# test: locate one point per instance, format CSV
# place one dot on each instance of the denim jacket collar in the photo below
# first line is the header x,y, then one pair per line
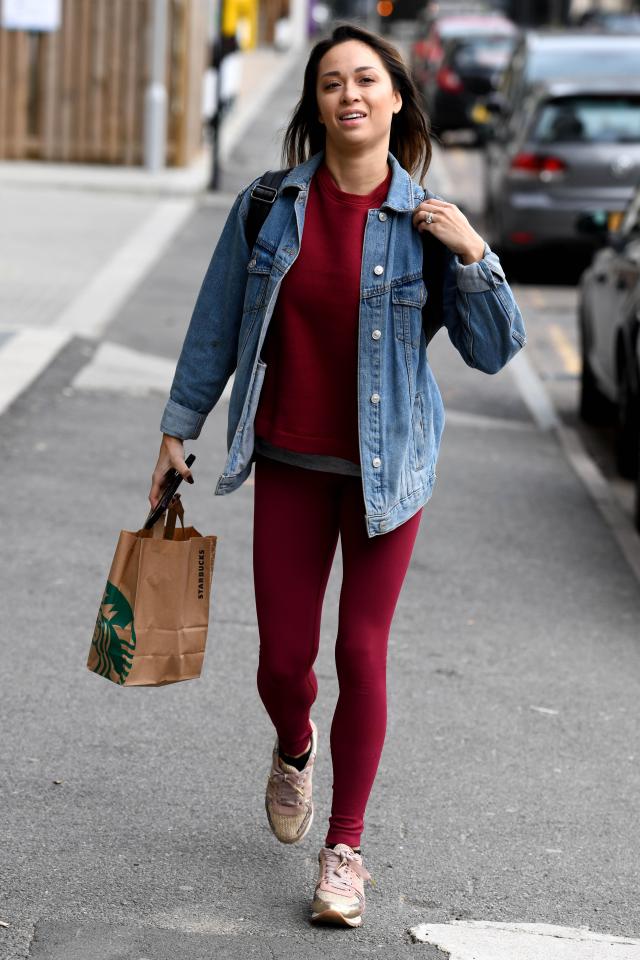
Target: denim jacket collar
x,y
404,194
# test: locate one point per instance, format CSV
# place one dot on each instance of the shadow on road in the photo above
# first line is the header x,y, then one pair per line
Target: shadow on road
x,y
554,266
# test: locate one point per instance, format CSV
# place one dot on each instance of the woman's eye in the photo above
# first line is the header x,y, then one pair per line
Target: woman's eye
x,y
368,78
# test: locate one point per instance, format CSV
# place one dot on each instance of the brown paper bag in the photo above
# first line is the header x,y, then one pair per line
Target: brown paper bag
x,y
154,615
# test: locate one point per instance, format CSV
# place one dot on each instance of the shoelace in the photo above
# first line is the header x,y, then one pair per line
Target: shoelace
x,y
289,787
338,873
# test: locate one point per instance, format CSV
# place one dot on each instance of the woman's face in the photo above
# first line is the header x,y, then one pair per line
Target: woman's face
x,y
356,98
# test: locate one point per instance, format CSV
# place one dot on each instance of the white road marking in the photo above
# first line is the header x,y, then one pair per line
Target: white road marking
x,y
90,312
484,940
23,357
533,392
117,369
464,418
601,492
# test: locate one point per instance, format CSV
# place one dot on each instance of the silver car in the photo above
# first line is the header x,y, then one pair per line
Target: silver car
x,y
573,146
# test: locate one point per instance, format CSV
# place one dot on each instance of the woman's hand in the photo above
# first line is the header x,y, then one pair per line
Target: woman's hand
x,y
171,455
450,225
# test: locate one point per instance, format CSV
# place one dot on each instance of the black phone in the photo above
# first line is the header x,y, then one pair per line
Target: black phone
x,y
171,482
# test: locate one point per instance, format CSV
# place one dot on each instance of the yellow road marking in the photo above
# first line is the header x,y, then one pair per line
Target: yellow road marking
x,y
537,298
565,349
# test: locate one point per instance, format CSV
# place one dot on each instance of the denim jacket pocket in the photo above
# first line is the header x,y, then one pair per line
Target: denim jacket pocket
x,y
407,298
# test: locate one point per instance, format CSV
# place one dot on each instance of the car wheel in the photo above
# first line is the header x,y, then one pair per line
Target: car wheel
x,y
593,406
637,509
627,428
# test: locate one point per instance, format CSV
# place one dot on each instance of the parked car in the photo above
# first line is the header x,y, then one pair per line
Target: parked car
x,y
572,146
427,51
614,21
561,53
609,331
637,504
470,69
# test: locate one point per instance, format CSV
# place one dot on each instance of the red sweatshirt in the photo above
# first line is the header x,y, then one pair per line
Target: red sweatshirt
x,y
309,398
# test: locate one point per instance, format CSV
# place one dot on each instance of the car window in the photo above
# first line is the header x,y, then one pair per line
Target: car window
x,y
589,119
487,52
576,62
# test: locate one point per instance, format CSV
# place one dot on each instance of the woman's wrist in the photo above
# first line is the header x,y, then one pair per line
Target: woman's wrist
x,y
473,252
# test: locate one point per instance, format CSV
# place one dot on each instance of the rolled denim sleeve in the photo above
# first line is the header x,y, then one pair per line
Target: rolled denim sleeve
x,y
480,312
209,352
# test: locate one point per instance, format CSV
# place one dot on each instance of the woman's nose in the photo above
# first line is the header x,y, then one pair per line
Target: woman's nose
x,y
348,94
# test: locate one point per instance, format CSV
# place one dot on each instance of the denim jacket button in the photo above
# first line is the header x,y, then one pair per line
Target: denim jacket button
x,y
378,270
375,398
376,461
376,334
382,216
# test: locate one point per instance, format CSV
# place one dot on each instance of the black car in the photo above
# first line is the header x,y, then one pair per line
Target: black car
x,y
471,69
609,333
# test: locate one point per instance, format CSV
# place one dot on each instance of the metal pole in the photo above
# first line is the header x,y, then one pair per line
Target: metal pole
x,y
155,97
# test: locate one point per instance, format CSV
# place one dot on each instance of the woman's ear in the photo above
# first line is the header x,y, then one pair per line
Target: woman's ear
x,y
397,101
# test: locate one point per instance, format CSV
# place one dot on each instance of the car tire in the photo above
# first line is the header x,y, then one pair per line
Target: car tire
x,y
593,406
636,517
627,428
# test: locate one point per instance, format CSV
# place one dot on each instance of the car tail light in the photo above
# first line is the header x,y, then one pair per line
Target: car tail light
x,y
421,49
521,236
448,80
542,165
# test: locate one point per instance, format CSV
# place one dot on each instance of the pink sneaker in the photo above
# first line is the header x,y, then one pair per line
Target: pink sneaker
x,y
288,800
339,893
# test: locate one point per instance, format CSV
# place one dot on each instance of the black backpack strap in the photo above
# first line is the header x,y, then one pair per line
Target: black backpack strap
x,y
263,196
433,265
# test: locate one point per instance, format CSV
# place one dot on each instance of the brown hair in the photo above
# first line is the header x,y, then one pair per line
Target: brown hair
x,y
409,141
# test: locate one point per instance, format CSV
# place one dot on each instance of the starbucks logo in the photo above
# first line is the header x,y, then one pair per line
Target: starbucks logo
x,y
115,652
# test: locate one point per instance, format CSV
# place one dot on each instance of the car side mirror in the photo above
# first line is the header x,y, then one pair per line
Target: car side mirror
x,y
615,240
495,103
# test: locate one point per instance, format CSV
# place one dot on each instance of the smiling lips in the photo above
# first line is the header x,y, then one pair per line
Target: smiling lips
x,y
353,117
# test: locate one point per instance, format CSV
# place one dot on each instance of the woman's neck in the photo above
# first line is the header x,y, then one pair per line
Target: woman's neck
x,y
359,174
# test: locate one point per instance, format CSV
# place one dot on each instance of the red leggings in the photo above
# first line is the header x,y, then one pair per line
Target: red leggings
x,y
298,514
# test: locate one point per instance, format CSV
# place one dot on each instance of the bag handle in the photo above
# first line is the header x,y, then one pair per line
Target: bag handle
x,y
162,530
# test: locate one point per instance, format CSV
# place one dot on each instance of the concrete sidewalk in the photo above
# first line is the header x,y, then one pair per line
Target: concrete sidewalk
x,y
76,240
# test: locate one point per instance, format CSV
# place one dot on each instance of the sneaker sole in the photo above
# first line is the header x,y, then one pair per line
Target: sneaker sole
x,y
295,839
333,916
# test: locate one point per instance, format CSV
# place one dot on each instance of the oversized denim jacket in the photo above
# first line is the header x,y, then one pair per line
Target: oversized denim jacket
x,y
400,409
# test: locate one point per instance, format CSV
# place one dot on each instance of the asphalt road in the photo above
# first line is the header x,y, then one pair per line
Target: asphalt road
x,y
132,820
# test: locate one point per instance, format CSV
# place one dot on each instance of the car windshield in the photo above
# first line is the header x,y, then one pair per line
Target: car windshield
x,y
589,119
460,29
618,61
492,52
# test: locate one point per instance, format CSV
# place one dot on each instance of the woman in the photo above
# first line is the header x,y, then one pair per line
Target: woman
x,y
334,401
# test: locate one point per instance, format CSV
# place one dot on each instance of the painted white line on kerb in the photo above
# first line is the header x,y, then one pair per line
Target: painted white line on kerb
x,y
539,403
23,358
483,940
90,312
533,392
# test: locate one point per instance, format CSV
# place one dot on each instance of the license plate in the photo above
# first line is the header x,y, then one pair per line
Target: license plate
x,y
614,219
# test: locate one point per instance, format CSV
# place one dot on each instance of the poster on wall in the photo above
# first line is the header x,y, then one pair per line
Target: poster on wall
x,y
30,15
